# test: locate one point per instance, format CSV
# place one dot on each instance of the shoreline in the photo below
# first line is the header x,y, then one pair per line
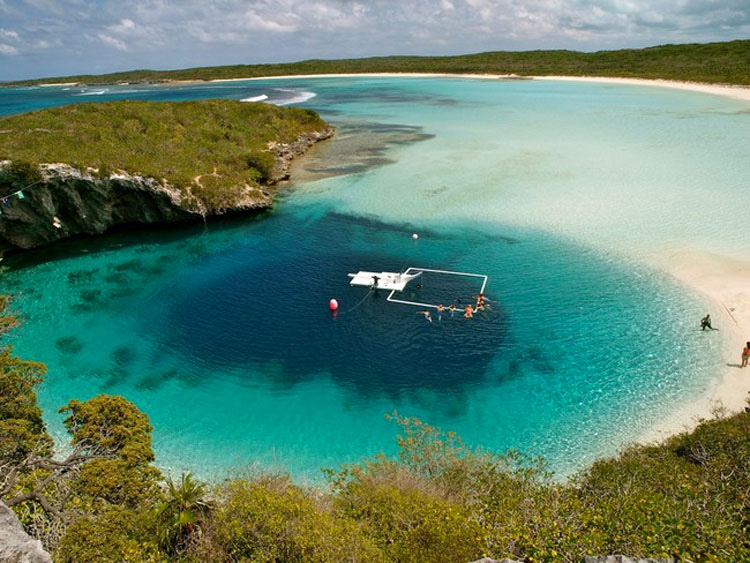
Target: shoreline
x,y
726,90
725,282
737,92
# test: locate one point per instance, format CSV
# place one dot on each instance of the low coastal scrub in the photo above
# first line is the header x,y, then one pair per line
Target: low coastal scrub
x,y
725,62
209,149
439,500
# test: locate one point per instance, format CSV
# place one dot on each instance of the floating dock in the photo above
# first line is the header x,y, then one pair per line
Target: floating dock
x,y
393,281
397,282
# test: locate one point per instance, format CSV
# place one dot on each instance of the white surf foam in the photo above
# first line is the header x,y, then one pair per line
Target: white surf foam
x,y
255,98
94,92
300,96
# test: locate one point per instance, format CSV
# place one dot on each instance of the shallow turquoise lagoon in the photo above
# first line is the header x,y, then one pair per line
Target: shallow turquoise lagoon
x,y
221,333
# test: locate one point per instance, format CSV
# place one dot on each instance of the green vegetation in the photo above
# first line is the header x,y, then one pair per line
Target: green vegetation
x,y
214,151
440,500
726,62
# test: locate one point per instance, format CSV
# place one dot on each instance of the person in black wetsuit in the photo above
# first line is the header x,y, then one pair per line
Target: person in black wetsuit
x,y
706,323
375,281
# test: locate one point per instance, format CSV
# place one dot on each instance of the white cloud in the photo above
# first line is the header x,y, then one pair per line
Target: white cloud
x,y
9,35
8,49
124,26
256,21
112,42
162,33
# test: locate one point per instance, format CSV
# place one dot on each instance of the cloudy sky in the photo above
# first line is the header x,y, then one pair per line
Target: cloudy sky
x,y
61,37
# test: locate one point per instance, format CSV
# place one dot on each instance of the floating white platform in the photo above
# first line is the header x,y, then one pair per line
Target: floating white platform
x,y
383,280
393,282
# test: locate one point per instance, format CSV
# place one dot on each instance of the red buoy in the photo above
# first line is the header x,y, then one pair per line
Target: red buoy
x,y
333,305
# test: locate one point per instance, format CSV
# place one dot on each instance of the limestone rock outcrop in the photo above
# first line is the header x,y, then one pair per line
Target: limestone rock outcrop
x,y
71,202
16,546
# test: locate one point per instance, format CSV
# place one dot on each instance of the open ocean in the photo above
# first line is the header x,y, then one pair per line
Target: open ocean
x,y
559,192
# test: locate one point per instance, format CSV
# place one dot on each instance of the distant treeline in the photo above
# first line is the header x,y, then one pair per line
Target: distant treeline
x,y
725,62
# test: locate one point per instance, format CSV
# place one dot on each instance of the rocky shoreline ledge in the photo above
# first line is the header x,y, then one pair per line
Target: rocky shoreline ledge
x,y
70,202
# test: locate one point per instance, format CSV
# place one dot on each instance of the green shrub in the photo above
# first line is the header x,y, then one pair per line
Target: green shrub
x,y
19,174
262,162
272,520
409,521
116,536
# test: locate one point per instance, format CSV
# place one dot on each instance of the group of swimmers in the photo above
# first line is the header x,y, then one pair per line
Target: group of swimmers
x,y
469,311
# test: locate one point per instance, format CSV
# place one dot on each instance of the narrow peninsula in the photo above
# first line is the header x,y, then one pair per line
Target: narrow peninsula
x,y
82,169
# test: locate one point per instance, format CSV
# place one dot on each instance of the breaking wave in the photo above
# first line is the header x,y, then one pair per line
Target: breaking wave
x,y
298,97
93,92
260,98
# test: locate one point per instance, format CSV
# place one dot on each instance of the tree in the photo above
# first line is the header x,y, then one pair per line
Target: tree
x,y
112,423
181,514
22,429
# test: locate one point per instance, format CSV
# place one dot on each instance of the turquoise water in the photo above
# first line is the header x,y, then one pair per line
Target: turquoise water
x,y
557,191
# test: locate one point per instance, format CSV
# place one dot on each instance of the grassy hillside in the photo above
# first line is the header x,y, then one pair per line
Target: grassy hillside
x,y
222,142
726,62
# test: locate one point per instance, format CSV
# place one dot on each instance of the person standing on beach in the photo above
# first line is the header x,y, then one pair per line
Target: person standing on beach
x,y
706,323
745,355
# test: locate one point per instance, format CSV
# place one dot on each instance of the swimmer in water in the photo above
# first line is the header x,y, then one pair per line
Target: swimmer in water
x,y
440,309
426,314
452,309
481,301
468,312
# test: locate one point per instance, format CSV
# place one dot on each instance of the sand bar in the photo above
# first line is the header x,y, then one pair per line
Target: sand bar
x,y
47,84
728,90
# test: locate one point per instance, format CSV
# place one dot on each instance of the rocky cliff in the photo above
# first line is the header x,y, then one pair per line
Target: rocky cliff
x,y
71,202
16,546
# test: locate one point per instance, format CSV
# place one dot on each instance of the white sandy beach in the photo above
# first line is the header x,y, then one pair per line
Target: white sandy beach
x,y
726,283
729,91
